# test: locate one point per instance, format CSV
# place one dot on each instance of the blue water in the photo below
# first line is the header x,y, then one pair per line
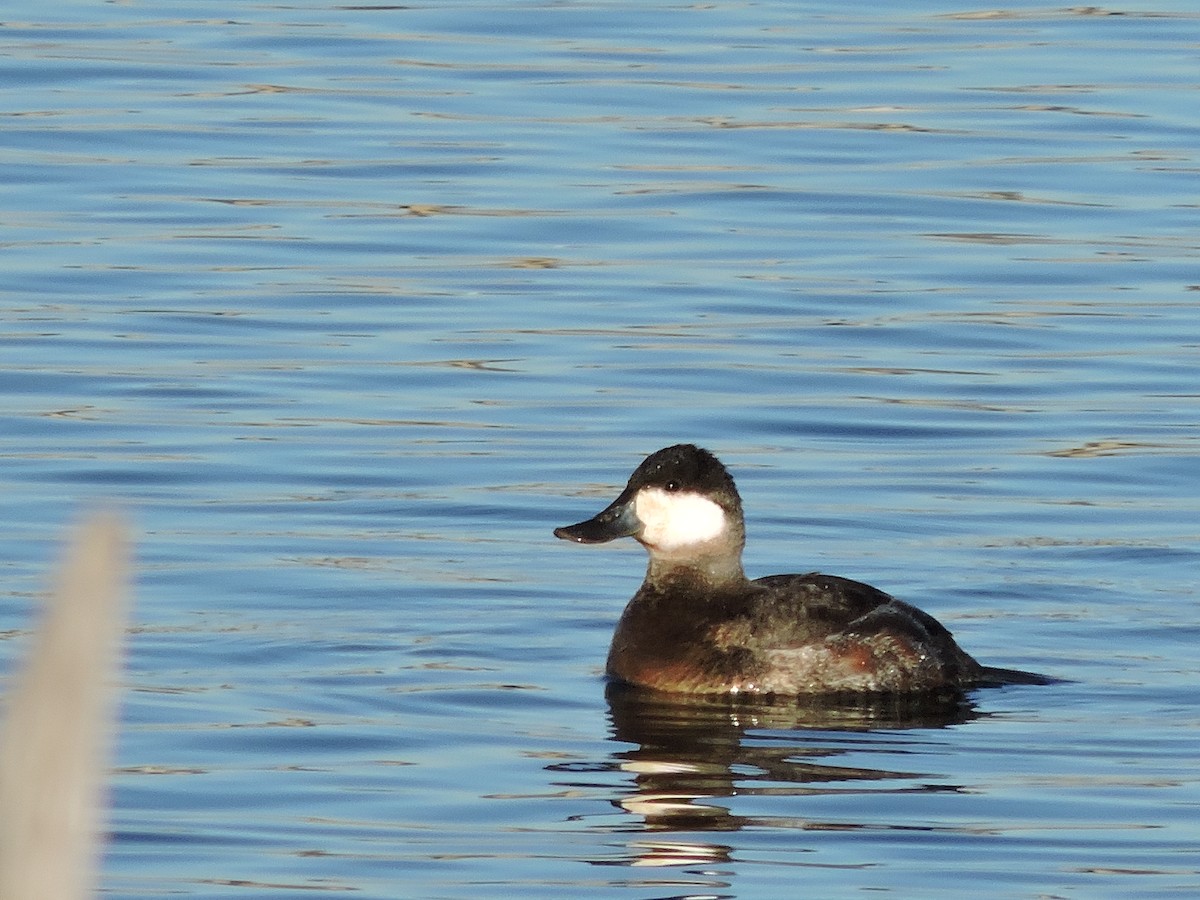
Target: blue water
x,y
348,306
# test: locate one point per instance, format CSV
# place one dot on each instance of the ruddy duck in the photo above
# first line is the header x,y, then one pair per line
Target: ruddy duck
x,y
698,625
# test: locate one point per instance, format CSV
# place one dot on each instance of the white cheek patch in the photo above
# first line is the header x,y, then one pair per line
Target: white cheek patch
x,y
673,521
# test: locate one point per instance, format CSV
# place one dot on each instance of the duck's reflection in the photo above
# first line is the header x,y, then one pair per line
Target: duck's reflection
x,y
690,757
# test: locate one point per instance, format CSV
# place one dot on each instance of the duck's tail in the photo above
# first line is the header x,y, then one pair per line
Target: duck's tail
x,y
990,676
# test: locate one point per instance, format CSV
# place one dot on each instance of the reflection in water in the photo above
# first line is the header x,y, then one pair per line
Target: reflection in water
x,y
688,753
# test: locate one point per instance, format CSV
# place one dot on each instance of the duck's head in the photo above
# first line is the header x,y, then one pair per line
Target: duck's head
x,y
681,505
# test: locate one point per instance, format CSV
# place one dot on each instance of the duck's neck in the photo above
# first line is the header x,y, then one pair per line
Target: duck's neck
x,y
712,573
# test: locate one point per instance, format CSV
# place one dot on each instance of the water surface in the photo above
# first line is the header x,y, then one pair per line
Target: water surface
x,y
350,305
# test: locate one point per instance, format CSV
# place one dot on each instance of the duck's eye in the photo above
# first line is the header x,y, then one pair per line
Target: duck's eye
x,y
671,487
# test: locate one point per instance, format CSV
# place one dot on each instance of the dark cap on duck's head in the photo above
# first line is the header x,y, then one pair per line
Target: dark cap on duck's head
x,y
686,467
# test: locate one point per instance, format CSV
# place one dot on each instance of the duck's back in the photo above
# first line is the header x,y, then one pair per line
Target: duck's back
x,y
820,633
817,599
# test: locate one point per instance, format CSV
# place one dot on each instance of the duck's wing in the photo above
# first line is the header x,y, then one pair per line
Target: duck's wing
x,y
824,602
847,635
847,605
854,608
